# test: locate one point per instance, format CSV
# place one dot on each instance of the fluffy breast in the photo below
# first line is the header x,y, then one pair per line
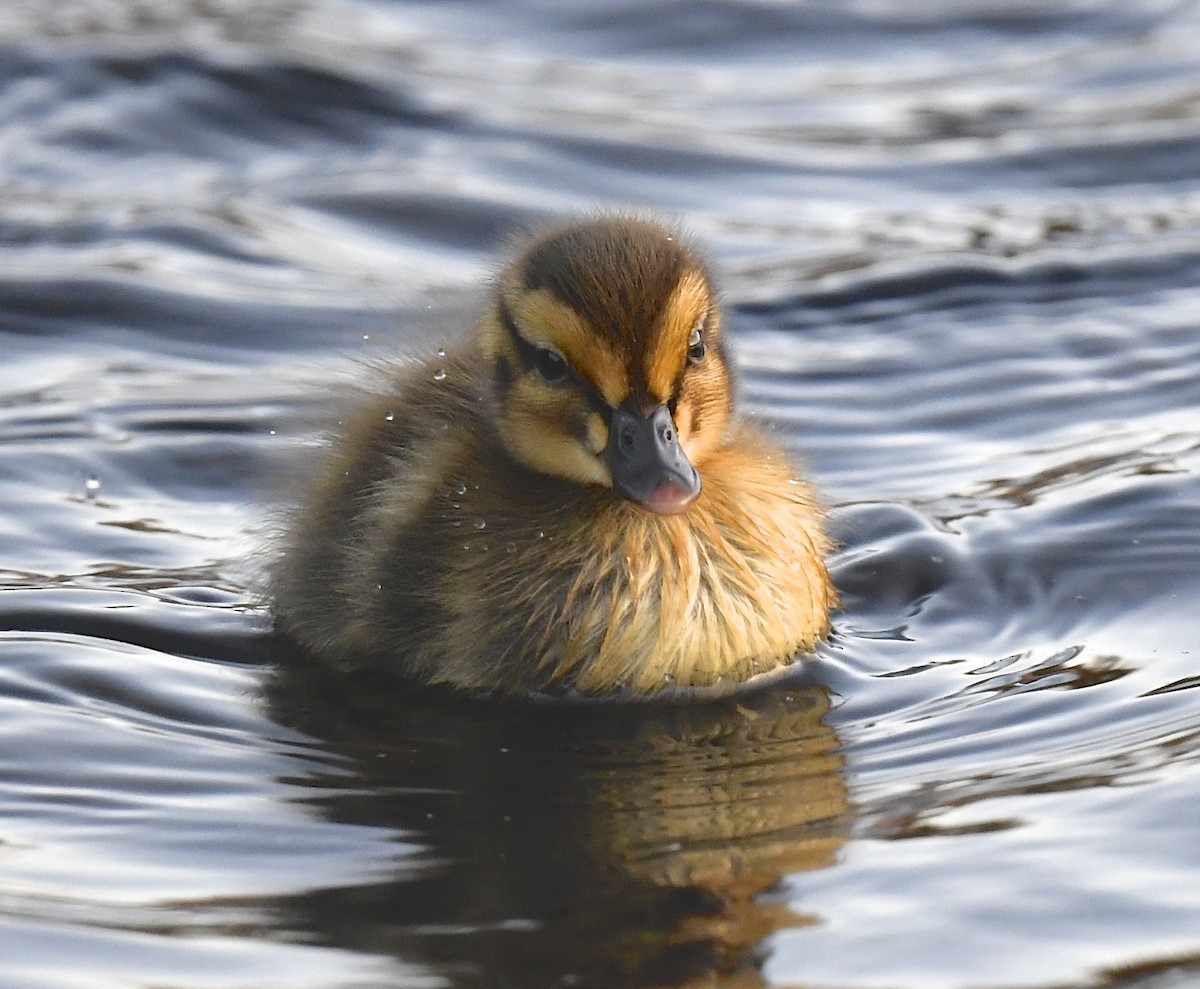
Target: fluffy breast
x,y
607,594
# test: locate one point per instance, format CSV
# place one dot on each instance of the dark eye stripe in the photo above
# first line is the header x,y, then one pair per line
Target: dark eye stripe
x,y
525,350
503,375
529,354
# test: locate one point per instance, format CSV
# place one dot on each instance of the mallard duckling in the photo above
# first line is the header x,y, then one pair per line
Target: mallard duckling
x,y
567,502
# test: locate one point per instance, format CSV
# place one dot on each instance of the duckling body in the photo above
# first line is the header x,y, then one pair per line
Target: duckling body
x,y
565,503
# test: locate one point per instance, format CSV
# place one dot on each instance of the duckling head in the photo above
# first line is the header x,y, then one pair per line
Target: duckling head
x,y
606,366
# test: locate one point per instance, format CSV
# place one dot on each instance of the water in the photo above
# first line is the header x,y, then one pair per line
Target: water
x,y
960,242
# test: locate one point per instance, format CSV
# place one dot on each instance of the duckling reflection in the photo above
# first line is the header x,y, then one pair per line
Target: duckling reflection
x,y
567,502
596,845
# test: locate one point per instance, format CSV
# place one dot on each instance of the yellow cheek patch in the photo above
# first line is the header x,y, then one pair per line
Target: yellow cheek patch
x,y
549,320
554,454
667,350
536,428
597,434
699,443
704,411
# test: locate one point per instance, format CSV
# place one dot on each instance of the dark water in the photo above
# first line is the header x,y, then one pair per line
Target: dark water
x,y
961,246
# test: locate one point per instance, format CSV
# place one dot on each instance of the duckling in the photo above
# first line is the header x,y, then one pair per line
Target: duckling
x,y
566,503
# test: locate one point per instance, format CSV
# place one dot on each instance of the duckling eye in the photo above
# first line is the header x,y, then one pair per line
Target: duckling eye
x,y
549,365
696,348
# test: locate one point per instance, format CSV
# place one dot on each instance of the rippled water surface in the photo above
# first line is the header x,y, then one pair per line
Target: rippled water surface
x,y
960,243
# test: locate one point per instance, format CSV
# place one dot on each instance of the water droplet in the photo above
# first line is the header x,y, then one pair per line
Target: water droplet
x,y
479,524
510,547
539,534
389,415
668,678
439,374
91,487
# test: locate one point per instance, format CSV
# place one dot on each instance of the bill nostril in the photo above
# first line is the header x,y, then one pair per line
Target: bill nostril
x,y
634,437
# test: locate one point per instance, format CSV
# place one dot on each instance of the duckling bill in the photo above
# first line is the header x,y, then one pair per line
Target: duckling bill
x,y
567,502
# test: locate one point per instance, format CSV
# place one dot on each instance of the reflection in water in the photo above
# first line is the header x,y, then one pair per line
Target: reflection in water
x,y
571,844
